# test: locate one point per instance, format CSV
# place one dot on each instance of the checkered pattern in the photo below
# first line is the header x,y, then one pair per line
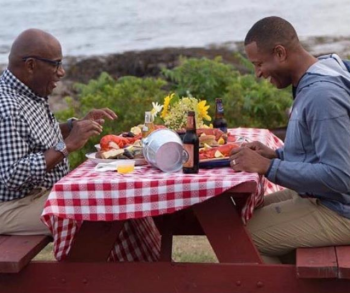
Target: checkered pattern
x,y
106,196
27,129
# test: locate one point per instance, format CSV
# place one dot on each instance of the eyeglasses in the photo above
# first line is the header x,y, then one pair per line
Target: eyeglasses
x,y
55,63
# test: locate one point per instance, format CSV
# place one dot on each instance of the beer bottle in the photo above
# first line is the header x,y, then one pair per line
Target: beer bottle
x,y
148,126
219,121
191,145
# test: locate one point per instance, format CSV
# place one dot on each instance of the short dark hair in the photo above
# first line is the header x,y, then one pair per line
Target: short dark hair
x,y
271,31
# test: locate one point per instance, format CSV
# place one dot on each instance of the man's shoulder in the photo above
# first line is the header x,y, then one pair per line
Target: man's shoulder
x,y
8,99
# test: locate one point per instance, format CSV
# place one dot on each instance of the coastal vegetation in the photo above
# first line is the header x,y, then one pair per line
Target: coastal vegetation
x,y
248,102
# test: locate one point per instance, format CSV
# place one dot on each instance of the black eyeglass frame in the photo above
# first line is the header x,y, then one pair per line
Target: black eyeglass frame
x,y
56,63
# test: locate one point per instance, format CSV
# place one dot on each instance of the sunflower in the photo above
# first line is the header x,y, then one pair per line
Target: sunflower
x,y
203,110
167,100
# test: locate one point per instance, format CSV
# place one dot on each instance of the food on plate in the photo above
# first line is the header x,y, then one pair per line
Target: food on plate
x,y
136,130
111,141
208,140
211,131
116,154
221,141
120,147
222,151
212,136
218,154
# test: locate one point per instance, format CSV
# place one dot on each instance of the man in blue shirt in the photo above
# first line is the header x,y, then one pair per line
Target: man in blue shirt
x,y
314,164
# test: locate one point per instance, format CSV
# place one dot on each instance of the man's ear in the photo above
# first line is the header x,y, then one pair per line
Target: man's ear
x,y
280,52
29,65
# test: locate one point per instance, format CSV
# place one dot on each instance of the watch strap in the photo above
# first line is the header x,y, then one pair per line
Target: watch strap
x,y
70,123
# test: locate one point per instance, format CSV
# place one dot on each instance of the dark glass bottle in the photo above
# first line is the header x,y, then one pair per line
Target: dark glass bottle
x,y
220,121
191,145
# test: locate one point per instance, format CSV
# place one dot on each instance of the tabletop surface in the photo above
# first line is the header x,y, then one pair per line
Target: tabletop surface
x,y
89,195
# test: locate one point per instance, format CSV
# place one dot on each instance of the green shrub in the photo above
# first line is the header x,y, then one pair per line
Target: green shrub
x,y
247,101
205,79
255,103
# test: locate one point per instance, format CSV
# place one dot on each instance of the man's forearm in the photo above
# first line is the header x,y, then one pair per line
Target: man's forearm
x,y
64,129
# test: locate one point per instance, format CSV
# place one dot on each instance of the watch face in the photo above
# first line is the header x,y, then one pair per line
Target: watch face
x,y
60,146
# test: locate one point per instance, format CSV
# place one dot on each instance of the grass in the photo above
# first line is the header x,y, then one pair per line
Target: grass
x,y
185,249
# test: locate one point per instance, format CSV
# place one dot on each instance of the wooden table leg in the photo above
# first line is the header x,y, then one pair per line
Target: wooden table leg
x,y
226,233
167,239
94,241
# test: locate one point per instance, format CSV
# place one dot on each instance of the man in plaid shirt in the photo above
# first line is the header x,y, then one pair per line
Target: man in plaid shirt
x,y
33,145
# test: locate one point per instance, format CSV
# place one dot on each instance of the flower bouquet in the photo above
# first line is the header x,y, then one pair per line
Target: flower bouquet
x,y
174,112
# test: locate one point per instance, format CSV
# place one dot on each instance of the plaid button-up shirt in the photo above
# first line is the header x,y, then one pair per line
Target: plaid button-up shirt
x,y
27,129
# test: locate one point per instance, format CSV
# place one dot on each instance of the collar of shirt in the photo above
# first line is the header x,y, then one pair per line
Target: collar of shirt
x,y
20,87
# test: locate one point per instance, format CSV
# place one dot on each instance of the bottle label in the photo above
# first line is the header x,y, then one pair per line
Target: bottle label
x,y
148,117
189,148
190,122
220,108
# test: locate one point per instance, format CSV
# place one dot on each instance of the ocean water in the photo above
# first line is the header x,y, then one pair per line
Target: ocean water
x,y
87,27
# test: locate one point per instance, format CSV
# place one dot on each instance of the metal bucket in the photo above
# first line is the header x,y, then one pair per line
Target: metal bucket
x,y
163,149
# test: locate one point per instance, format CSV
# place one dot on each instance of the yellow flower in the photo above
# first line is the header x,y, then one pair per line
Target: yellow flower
x,y
167,100
203,110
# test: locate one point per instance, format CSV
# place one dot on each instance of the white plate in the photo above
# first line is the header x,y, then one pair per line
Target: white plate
x,y
98,147
92,157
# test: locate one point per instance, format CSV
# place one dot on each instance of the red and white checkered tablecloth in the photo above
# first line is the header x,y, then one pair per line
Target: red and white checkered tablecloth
x,y
86,194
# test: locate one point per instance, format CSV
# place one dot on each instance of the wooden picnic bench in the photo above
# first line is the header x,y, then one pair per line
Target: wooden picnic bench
x,y
86,270
17,251
323,262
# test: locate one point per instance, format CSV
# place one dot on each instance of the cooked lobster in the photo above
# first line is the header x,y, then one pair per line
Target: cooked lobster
x,y
111,141
225,150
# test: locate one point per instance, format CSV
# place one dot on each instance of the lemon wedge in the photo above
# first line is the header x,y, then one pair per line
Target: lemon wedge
x,y
221,141
206,146
218,154
136,130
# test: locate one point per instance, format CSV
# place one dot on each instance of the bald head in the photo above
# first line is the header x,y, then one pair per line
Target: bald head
x,y
32,42
35,59
271,31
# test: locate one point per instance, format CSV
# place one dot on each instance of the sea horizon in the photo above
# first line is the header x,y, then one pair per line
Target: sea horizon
x,y
87,28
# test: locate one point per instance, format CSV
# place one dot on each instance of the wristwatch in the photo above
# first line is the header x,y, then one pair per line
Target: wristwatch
x,y
61,147
70,123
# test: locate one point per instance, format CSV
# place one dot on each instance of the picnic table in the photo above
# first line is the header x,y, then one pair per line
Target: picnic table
x,y
114,232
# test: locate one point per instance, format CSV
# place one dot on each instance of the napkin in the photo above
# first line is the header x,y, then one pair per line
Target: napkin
x,y
102,167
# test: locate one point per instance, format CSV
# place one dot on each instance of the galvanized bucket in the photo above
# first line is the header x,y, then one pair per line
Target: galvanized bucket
x,y
163,149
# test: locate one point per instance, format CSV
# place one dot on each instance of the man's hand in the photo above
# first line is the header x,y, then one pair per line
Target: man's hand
x,y
81,132
89,126
261,149
246,159
98,115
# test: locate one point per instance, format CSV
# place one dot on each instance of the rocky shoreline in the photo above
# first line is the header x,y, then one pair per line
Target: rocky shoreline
x,y
149,62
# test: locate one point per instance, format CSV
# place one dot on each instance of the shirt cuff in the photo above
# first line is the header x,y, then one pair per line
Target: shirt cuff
x,y
271,173
268,170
